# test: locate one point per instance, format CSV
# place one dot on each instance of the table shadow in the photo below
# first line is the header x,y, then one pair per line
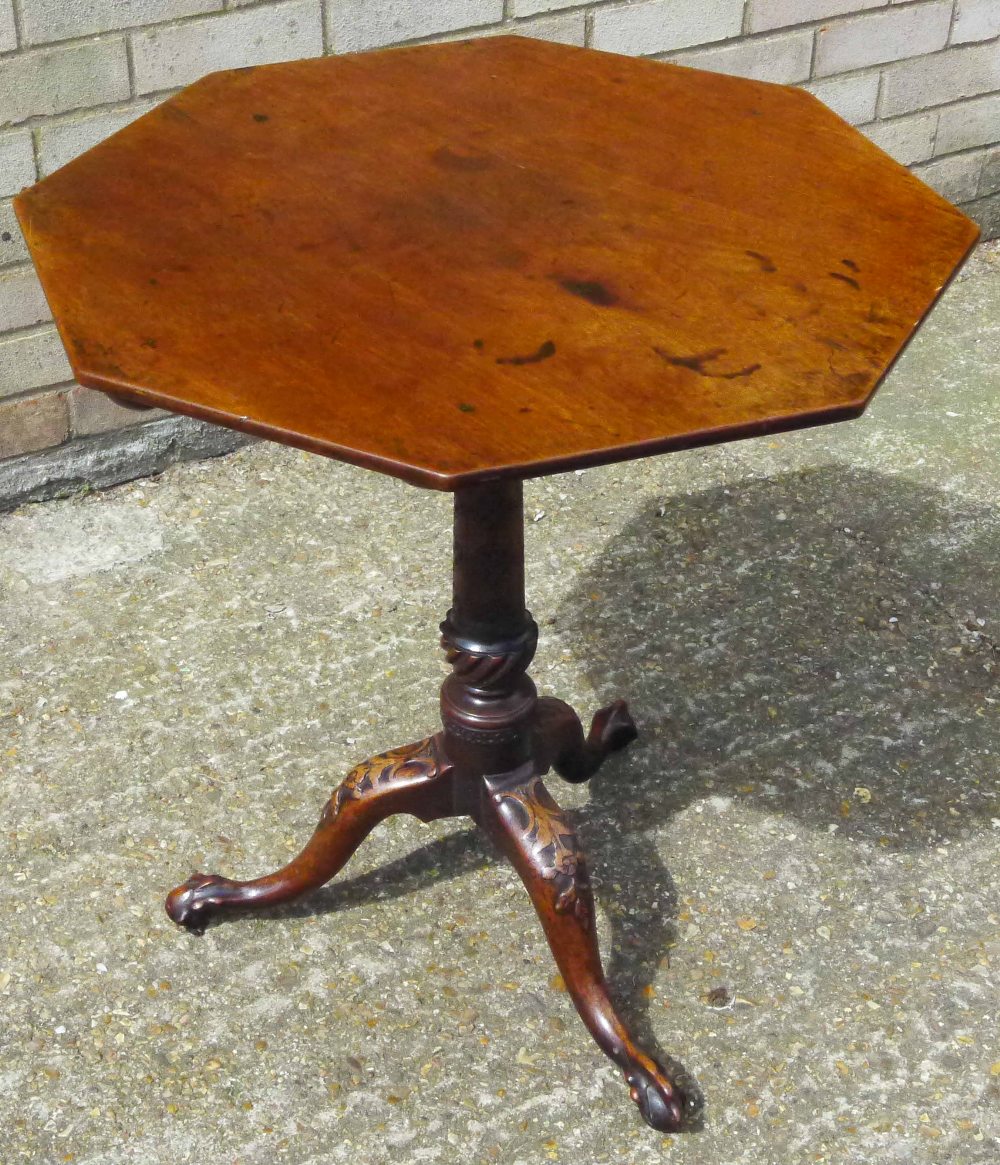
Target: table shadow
x,y
807,644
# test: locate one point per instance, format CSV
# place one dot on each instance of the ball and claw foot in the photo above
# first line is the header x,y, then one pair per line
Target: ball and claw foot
x,y
613,727
560,743
657,1100
193,904
414,779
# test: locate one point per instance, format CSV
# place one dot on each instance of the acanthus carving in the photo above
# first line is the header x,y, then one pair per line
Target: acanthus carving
x,y
411,760
554,846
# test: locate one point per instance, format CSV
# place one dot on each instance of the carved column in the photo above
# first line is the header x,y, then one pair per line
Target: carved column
x,y
488,702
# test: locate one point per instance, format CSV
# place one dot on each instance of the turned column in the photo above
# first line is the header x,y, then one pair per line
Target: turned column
x,y
488,702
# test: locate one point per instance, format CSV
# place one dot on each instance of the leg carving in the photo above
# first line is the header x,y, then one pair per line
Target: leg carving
x,y
560,743
413,779
536,836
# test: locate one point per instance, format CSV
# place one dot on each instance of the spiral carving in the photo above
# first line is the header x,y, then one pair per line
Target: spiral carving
x,y
489,667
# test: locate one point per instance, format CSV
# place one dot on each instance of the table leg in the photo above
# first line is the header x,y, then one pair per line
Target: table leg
x,y
561,745
537,837
498,738
414,779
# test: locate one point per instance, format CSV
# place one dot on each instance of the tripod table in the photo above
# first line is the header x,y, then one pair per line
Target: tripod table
x,y
465,265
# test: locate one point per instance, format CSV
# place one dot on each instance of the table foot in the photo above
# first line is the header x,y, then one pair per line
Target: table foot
x,y
414,779
538,839
561,745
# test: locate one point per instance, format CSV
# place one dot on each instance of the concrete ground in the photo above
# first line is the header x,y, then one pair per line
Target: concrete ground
x,y
797,865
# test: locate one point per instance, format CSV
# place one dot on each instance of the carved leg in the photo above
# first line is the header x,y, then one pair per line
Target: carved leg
x,y
560,744
414,779
538,839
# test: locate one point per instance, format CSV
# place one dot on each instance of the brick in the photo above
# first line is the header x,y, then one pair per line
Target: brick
x,y
32,360
8,29
976,20
47,20
17,162
966,71
568,29
61,141
907,139
969,124
22,301
986,212
782,59
165,58
989,183
658,26
95,412
29,425
882,36
852,98
12,245
367,24
530,7
764,15
955,178
46,81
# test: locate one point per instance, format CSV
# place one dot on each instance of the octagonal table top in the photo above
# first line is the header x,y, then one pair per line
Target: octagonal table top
x,y
502,257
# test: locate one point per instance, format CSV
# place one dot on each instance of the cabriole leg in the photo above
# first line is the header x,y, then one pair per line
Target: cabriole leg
x,y
414,779
537,837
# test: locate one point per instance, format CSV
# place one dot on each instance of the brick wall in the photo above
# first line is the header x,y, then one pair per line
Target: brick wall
x,y
920,78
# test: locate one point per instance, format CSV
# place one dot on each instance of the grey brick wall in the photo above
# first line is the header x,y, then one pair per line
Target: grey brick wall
x,y
920,77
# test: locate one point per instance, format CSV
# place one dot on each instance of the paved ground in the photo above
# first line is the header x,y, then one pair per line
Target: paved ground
x,y
797,865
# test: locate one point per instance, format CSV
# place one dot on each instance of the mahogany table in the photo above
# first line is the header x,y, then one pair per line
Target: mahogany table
x,y
465,265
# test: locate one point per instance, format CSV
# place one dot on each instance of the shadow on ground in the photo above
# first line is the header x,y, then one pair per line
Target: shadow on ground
x,y
810,644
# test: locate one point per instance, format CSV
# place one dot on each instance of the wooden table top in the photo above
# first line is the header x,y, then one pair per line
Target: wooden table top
x,y
495,258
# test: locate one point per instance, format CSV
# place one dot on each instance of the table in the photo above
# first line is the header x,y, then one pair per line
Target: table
x,y
465,265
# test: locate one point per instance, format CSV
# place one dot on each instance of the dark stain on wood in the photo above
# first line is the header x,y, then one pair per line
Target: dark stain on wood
x,y
261,117
545,352
697,363
765,261
592,290
850,264
845,279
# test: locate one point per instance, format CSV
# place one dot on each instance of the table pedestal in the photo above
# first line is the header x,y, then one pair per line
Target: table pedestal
x,y
487,763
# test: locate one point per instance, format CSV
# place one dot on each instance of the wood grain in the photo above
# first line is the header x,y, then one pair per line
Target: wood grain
x,y
495,258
